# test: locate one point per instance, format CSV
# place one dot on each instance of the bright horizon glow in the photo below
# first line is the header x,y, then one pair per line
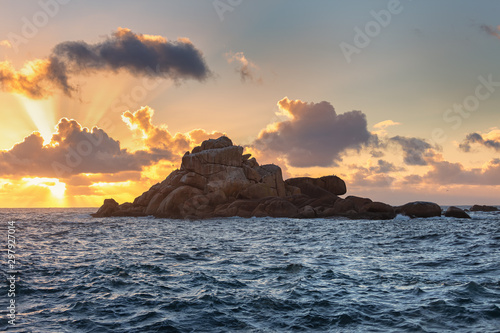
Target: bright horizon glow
x,y
56,187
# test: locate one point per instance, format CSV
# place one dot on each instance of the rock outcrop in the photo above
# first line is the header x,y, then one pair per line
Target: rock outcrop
x,y
420,209
216,179
483,208
453,211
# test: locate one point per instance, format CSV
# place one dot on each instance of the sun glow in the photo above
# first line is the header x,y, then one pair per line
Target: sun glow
x,y
57,188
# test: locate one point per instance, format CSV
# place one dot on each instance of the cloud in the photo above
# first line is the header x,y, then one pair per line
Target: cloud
x,y
314,134
378,175
381,127
158,137
138,54
447,173
491,30
72,150
489,140
414,149
5,43
37,79
245,68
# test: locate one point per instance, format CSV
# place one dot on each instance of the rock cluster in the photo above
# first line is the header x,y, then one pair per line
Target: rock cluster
x,y
483,208
217,180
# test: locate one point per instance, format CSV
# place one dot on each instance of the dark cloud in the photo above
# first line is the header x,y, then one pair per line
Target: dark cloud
x,y
74,150
314,134
489,141
385,167
492,31
414,149
139,54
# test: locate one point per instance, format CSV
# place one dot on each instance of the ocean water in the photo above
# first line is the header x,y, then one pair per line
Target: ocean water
x,y
80,274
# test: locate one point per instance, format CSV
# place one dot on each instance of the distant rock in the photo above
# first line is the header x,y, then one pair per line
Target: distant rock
x,y
420,209
483,208
453,211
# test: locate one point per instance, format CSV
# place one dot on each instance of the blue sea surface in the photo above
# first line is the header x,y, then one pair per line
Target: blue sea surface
x,y
80,274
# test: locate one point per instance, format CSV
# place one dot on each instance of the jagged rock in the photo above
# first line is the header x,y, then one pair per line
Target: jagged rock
x,y
420,209
107,209
453,211
483,208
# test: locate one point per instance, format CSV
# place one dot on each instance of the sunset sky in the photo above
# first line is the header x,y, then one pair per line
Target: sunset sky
x,y
100,99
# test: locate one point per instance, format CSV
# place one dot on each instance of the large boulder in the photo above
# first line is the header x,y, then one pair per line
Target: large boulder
x,y
173,205
453,211
420,209
231,180
208,161
377,211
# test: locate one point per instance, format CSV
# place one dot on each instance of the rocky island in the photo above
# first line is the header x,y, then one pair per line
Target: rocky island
x,y
217,180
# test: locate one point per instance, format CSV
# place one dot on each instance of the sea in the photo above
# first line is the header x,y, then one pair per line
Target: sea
x,y
74,273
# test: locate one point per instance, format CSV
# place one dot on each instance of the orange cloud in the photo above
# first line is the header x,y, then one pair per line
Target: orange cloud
x,y
158,137
36,79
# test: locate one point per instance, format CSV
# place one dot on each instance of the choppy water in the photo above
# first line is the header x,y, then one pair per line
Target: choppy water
x,y
80,274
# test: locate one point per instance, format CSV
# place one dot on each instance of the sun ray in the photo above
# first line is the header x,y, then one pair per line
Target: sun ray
x,y
42,115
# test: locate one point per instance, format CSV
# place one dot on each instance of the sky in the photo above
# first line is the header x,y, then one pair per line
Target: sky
x,y
401,99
